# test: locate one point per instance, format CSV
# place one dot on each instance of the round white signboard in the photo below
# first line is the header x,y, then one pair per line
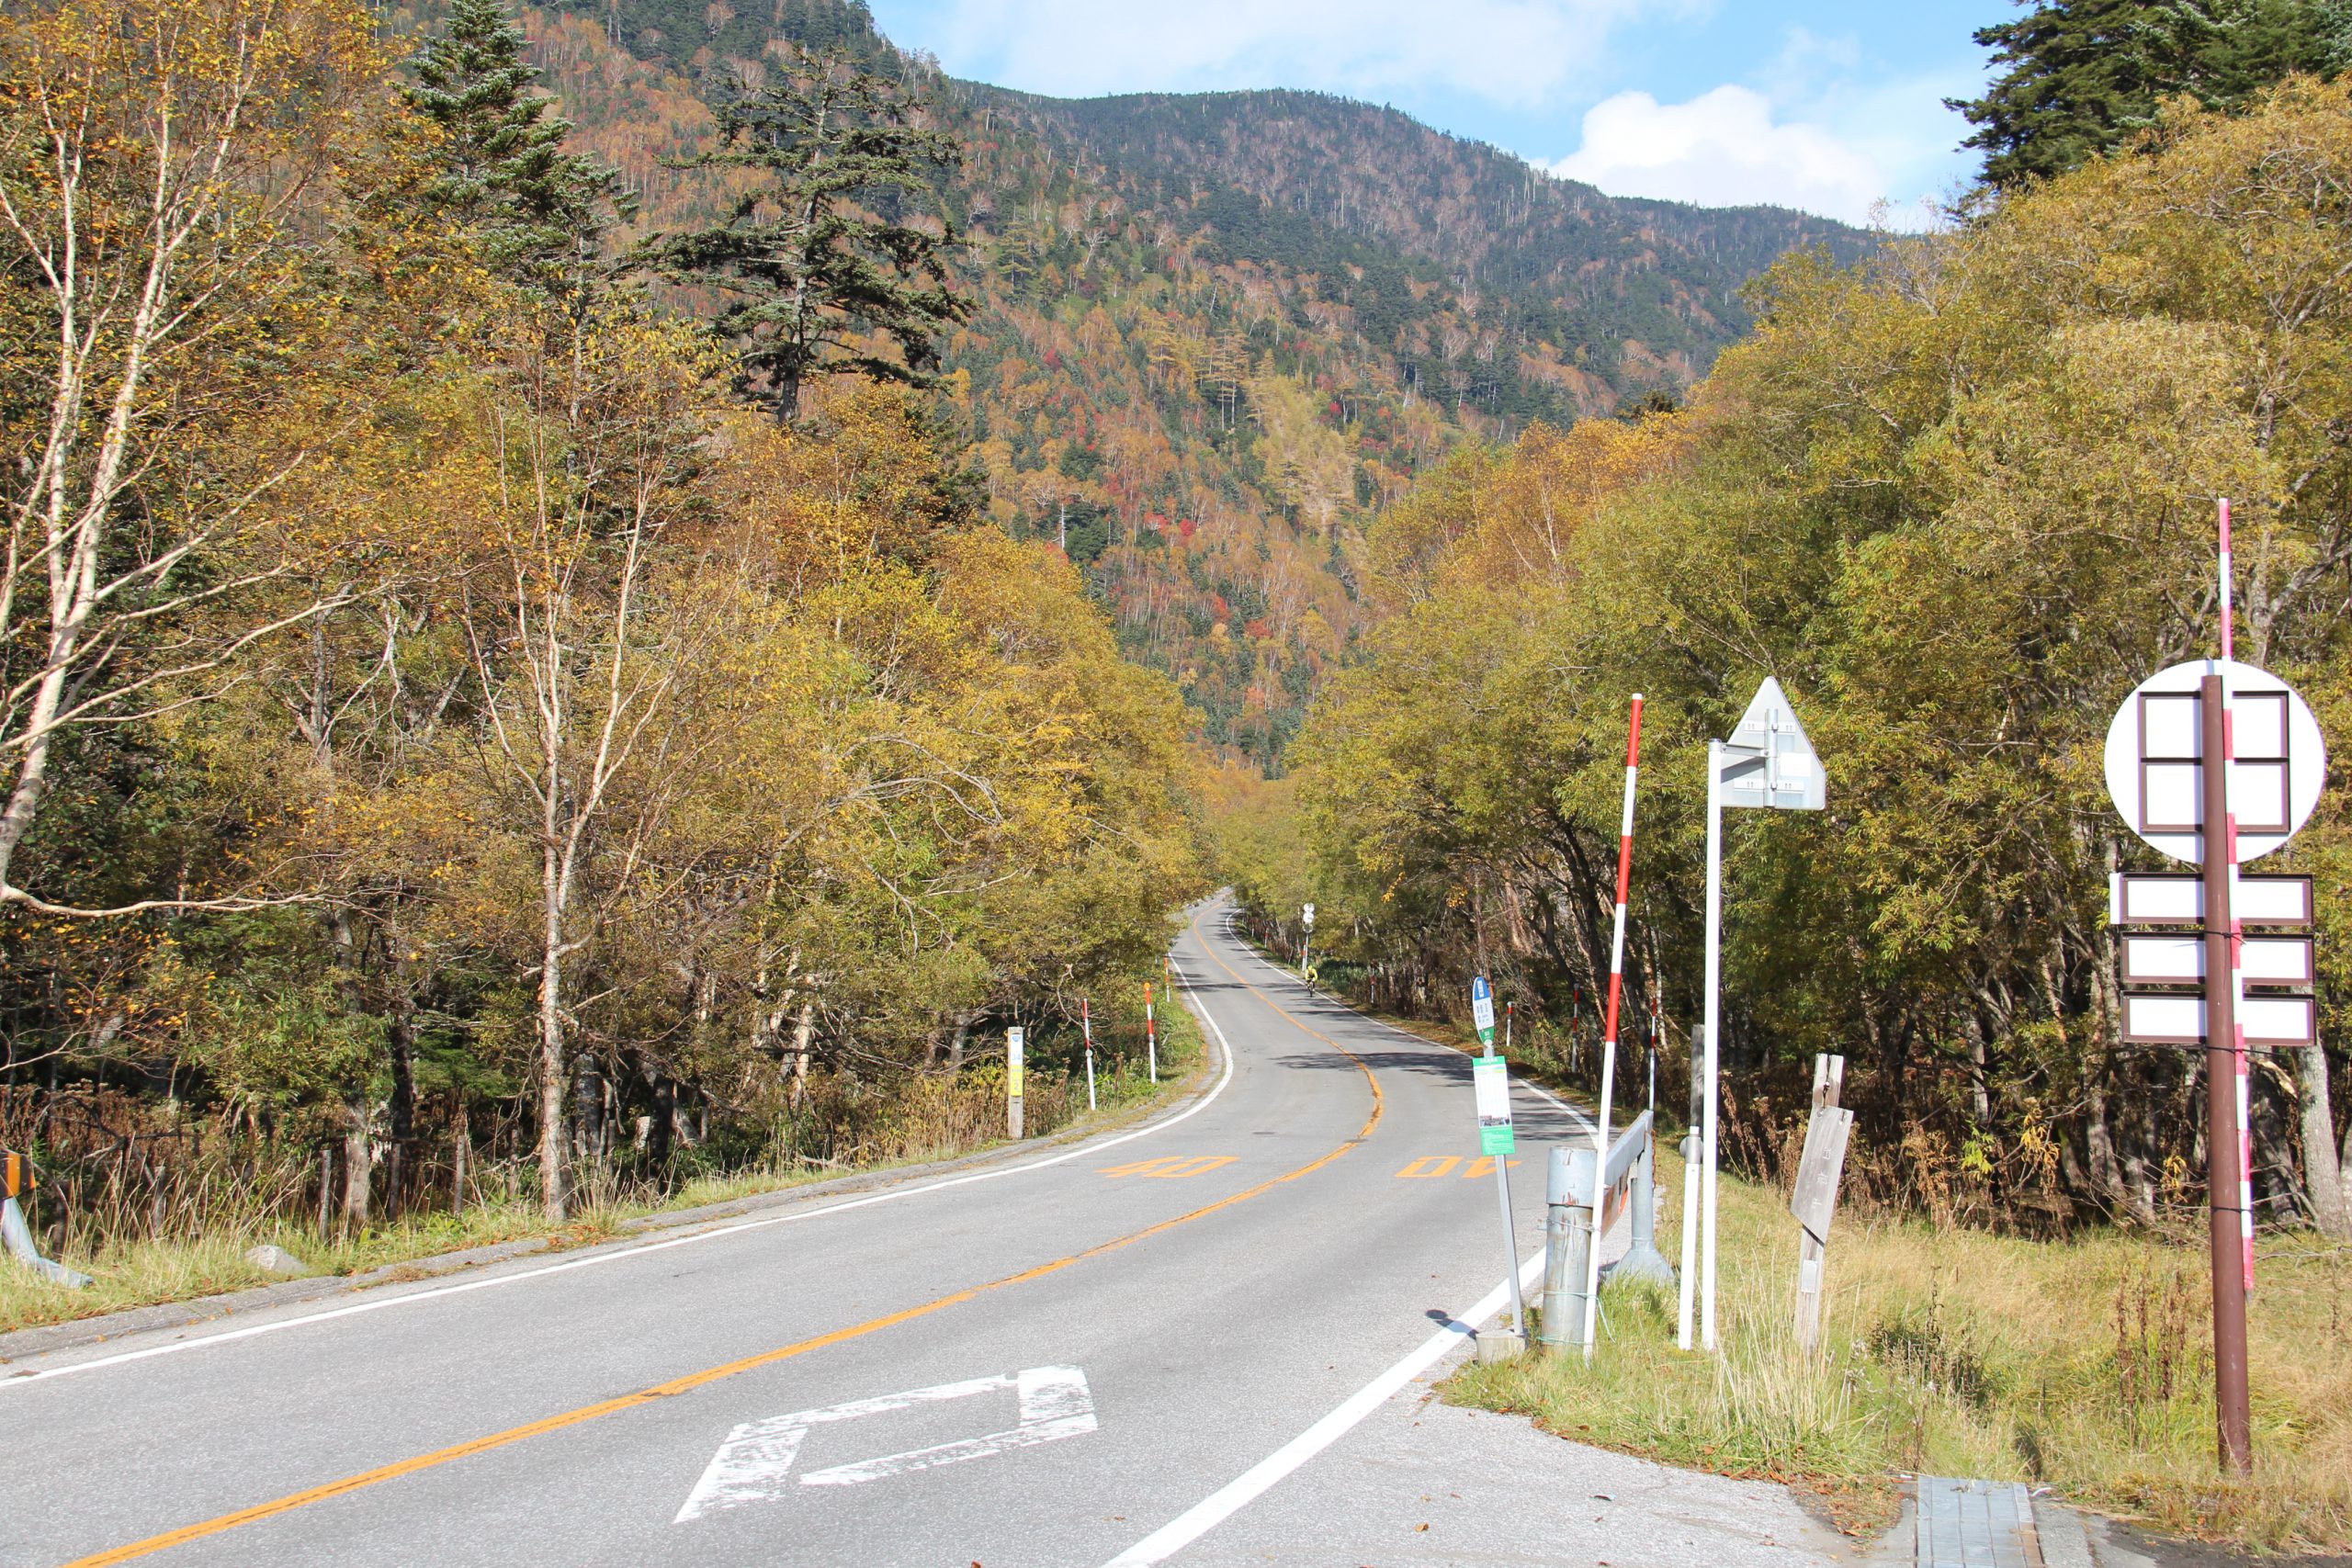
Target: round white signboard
x,y
2154,753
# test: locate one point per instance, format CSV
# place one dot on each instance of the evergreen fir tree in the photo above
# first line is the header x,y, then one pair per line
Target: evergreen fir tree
x,y
541,212
2081,77
823,255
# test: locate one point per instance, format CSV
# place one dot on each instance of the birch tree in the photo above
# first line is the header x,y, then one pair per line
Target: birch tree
x,y
153,158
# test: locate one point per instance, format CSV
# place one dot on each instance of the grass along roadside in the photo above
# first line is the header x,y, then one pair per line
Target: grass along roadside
x,y
2085,1365
150,1271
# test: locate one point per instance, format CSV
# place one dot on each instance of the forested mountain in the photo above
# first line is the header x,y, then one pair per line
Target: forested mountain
x,y
1217,331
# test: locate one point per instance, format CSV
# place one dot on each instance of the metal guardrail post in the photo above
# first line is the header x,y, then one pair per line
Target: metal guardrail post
x,y
1643,1260
18,1238
1567,1241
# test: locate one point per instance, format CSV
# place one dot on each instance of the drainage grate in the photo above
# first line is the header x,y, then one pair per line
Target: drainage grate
x,y
1976,1524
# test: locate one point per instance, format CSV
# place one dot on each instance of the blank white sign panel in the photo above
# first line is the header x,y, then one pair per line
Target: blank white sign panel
x,y
2181,960
2139,898
2180,1021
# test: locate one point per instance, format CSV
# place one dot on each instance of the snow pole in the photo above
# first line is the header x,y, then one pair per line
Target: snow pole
x,y
2237,931
1609,1034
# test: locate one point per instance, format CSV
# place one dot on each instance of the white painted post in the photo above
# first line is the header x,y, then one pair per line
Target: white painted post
x,y
1712,1065
1086,1023
1150,1035
1015,1040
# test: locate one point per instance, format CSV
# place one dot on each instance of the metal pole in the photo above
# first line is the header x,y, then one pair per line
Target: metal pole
x,y
1608,1028
1510,1245
1567,1237
1687,1286
2223,1049
1151,1034
1086,1024
1707,1144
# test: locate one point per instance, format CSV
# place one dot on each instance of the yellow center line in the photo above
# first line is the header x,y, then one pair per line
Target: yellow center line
x,y
693,1381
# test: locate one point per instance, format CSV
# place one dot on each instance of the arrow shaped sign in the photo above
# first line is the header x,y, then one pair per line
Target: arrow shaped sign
x,y
1768,760
754,1464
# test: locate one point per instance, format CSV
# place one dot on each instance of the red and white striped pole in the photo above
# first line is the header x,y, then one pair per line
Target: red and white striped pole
x,y
2237,931
1150,1035
1609,1034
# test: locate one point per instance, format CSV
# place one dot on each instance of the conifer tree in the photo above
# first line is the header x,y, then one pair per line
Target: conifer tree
x,y
825,253
541,212
2081,77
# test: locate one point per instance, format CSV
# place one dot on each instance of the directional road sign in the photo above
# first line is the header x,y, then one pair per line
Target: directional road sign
x,y
1768,760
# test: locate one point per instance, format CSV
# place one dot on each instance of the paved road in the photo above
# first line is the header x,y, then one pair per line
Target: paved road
x,y
1115,1350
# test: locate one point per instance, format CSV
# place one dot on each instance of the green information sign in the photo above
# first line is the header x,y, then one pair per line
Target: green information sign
x,y
1491,1080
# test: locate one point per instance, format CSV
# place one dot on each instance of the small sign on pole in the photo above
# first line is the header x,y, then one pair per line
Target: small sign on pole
x,y
1482,1011
1767,763
1014,1040
1490,1084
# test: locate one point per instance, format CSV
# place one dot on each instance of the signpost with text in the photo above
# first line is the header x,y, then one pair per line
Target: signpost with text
x,y
1490,1083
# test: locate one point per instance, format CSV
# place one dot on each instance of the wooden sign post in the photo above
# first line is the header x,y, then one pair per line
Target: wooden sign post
x,y
1815,1203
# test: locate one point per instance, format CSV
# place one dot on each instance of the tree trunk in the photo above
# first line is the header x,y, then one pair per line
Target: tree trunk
x,y
401,1116
804,1029
461,1145
662,1137
358,1164
2327,1171
587,1119
555,1193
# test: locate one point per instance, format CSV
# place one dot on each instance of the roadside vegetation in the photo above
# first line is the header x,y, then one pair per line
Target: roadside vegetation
x,y
2082,1364
135,1264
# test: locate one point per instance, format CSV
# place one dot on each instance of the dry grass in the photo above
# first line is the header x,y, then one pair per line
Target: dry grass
x,y
934,1119
2085,1365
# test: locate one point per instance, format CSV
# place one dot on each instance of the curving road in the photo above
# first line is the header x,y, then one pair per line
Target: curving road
x,y
1132,1350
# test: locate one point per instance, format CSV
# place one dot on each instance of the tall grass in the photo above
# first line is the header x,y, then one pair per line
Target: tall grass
x,y
2081,1364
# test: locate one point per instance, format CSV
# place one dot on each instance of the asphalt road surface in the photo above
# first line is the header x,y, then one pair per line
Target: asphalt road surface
x,y
1121,1352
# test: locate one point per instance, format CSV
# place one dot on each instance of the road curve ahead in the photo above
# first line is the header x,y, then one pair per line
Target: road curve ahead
x,y
1098,1355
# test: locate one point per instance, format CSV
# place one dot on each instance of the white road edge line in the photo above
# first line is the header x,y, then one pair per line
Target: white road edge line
x,y
1251,1485
25,1379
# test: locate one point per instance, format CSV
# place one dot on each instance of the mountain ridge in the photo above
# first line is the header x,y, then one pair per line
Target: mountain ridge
x,y
1215,332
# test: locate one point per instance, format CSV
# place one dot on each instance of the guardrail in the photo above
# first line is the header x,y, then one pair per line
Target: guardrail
x,y
17,1177
1629,1185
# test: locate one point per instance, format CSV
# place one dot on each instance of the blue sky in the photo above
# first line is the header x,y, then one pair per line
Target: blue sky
x,y
1833,106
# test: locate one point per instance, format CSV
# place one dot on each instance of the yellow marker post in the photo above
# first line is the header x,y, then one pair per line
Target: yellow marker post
x,y
1015,1040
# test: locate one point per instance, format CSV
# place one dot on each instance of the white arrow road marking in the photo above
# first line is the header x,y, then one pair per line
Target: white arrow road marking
x,y
753,1465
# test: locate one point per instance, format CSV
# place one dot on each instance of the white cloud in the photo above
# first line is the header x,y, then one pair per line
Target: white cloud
x,y
1722,149
1517,54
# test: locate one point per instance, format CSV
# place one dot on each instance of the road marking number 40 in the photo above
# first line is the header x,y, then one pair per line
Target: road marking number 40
x,y
755,1462
1429,1168
1169,1166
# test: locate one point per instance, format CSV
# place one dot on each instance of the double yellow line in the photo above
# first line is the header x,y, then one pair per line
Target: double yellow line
x,y
692,1380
